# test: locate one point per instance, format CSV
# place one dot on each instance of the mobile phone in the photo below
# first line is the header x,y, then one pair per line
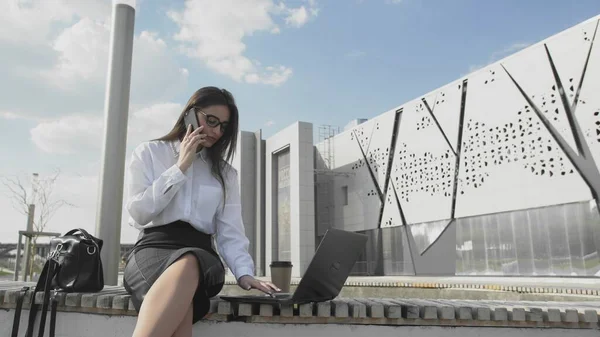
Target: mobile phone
x,y
190,118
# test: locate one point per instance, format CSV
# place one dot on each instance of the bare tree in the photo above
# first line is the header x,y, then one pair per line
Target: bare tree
x,y
42,196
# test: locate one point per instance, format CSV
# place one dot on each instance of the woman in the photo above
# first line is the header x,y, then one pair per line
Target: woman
x,y
182,192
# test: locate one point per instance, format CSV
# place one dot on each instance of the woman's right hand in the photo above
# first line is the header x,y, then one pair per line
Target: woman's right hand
x,y
189,146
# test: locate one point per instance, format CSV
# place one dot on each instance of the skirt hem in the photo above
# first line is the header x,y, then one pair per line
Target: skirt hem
x,y
145,265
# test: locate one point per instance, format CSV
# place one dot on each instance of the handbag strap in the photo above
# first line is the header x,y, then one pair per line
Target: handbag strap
x,y
18,309
44,283
82,231
33,307
51,272
96,241
53,315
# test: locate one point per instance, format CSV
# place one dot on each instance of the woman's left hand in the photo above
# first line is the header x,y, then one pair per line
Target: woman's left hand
x,y
248,282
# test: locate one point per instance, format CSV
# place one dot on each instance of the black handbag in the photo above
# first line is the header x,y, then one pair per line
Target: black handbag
x,y
73,265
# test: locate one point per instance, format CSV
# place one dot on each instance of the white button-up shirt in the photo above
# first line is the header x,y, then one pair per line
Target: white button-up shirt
x,y
160,193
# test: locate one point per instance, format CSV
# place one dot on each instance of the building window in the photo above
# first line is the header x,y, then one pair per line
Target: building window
x,y
345,195
283,206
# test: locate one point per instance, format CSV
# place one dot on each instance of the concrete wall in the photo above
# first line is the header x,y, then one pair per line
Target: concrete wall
x,y
467,177
298,138
75,324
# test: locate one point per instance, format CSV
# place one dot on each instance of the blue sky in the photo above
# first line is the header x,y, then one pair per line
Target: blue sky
x,y
333,61
360,58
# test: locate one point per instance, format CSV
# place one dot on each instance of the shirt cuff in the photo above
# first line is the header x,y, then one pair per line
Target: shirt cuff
x,y
175,174
243,271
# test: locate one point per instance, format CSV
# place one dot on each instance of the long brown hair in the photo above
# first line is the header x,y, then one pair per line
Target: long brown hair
x,y
223,150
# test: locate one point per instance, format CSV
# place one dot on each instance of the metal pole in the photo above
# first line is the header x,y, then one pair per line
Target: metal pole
x,y
18,262
29,228
28,239
116,110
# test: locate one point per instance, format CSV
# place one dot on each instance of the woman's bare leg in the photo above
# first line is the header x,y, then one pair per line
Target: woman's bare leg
x,y
168,300
185,327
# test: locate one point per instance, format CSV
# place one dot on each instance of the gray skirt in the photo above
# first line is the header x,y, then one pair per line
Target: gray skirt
x,y
158,248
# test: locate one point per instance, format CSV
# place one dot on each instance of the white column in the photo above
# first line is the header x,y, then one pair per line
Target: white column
x,y
116,110
259,223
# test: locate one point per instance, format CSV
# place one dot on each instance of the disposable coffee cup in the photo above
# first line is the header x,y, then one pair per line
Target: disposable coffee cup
x,y
281,275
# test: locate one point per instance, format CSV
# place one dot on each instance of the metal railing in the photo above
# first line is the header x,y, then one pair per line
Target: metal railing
x,y
30,235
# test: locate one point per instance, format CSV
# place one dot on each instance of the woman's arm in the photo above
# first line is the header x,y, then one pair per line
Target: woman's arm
x,y
231,238
148,197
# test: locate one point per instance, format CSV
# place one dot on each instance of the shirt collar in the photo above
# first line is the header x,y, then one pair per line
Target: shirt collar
x,y
175,148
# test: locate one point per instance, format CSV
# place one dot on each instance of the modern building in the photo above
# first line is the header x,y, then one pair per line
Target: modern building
x,y
495,173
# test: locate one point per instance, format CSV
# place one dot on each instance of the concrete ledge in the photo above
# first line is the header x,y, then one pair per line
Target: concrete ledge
x,y
456,287
521,285
113,300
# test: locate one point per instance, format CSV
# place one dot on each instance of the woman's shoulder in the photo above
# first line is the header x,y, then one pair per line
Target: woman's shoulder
x,y
229,171
152,147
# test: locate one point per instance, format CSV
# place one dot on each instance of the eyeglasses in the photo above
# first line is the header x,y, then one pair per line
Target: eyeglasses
x,y
214,121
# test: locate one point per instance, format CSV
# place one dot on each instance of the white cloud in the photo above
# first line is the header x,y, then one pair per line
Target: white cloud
x,y
83,55
156,75
74,36
513,48
31,21
213,32
393,2
355,54
67,135
270,123
9,115
83,133
499,54
83,59
297,17
152,122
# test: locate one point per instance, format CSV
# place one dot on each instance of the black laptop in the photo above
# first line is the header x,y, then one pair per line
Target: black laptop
x,y
326,274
